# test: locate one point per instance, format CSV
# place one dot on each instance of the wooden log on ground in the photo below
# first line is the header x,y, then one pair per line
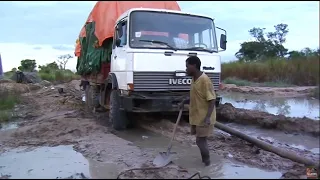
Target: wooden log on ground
x,y
266,146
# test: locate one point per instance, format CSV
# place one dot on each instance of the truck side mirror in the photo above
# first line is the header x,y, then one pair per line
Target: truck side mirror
x,y
223,41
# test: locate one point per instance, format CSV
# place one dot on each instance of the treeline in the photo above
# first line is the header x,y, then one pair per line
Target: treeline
x,y
267,60
55,71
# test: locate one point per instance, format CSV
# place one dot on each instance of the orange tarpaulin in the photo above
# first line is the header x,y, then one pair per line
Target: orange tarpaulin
x,y
106,13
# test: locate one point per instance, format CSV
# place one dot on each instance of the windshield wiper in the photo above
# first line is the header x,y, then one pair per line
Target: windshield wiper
x,y
159,42
199,48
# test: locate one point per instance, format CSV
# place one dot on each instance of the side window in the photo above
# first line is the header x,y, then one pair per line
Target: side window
x,y
122,35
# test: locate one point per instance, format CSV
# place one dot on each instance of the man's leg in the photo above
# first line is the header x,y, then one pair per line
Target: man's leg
x,y
204,150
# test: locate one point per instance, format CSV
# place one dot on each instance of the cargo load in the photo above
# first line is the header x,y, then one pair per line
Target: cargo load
x,y
94,45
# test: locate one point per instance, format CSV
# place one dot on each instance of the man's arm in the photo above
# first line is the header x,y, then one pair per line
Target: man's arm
x,y
210,97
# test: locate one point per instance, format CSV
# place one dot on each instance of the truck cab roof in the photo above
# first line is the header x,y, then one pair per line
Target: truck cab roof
x,y
125,14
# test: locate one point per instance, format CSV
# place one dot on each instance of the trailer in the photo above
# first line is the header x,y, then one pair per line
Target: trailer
x,y
131,56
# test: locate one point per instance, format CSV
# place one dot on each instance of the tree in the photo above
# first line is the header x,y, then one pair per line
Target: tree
x,y
63,60
49,67
27,65
263,48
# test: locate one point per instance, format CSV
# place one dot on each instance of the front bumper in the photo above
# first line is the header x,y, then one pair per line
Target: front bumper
x,y
155,103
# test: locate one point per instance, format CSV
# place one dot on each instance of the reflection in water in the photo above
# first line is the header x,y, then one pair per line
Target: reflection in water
x,y
293,107
44,162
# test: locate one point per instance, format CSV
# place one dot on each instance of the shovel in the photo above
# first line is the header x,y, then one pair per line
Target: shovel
x,y
164,158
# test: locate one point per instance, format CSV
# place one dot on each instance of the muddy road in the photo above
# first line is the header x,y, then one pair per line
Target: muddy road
x,y
63,140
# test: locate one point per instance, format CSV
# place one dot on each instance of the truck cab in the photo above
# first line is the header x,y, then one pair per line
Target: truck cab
x,y
148,61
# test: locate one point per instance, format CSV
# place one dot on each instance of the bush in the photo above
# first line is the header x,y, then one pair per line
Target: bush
x,y
7,102
59,76
302,71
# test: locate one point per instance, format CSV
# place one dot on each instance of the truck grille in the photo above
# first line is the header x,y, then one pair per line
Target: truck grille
x,y
159,81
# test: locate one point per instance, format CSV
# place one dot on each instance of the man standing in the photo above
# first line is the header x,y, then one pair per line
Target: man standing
x,y
202,112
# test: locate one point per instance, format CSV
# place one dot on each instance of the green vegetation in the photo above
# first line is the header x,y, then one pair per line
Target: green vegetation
x,y
52,72
267,61
7,102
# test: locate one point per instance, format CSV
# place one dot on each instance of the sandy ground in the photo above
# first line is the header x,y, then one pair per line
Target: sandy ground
x,y
274,91
52,119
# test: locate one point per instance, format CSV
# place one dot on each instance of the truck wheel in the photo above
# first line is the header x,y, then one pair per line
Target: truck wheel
x,y
116,116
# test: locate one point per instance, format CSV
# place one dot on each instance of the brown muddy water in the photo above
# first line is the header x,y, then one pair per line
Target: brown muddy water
x,y
65,162
291,107
189,157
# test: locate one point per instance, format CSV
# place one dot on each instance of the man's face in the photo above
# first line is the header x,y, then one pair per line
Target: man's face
x,y
190,69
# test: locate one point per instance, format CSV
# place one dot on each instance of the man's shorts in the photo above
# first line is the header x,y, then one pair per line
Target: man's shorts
x,y
201,131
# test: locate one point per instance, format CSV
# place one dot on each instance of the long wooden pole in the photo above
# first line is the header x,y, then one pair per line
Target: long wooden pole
x,y
266,146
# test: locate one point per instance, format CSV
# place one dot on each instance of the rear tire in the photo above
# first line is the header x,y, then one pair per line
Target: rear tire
x,y
117,117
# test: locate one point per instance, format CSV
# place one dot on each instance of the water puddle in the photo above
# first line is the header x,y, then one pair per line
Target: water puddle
x,y
8,126
302,142
292,107
44,162
189,157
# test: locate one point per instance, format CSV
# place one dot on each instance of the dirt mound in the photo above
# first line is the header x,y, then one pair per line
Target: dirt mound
x,y
18,88
226,112
276,91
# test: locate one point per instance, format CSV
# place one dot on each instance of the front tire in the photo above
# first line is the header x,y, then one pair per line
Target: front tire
x,y
116,116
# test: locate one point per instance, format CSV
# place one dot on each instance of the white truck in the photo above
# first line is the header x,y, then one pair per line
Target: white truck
x,y
148,61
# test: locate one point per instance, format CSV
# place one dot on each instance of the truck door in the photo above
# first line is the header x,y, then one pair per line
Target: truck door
x,y
118,57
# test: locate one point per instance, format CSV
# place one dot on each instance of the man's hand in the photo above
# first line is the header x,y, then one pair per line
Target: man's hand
x,y
207,121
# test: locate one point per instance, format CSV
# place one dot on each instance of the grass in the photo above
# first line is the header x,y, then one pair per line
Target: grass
x,y
58,76
274,72
7,102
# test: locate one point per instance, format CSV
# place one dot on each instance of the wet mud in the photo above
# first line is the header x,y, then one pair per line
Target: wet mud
x,y
54,122
228,113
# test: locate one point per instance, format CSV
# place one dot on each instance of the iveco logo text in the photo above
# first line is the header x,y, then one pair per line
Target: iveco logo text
x,y
179,81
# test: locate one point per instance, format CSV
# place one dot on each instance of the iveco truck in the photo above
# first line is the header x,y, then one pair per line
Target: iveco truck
x,y
146,68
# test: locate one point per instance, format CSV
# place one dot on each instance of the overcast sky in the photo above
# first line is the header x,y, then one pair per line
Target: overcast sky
x,y
45,30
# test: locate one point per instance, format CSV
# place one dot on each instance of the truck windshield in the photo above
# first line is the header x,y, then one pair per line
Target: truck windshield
x,y
161,30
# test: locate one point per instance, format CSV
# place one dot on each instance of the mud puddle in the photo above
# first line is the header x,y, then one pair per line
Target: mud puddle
x,y
44,162
8,126
279,138
188,157
292,107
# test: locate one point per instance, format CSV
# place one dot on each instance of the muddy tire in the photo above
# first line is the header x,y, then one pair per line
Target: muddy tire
x,y
117,117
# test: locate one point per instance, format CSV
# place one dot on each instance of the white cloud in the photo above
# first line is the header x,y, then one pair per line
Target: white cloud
x,y
13,53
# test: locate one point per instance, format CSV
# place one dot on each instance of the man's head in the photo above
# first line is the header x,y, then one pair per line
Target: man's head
x,y
193,64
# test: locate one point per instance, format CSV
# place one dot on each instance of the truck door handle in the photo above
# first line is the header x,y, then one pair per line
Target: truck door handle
x,y
115,57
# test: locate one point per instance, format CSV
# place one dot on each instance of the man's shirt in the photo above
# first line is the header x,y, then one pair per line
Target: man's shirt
x,y
201,92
